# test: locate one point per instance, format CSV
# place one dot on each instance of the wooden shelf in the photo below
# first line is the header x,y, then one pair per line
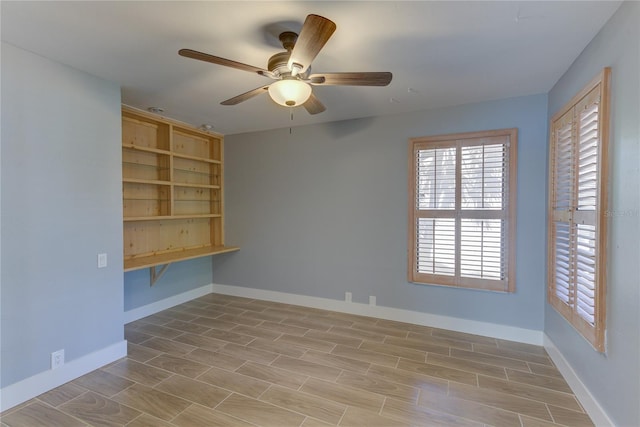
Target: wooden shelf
x,y
169,257
166,217
146,181
182,184
147,149
200,159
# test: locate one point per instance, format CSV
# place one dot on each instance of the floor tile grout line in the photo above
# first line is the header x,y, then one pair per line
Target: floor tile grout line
x,y
521,420
346,408
180,412
546,405
538,387
61,410
478,403
518,414
294,411
550,413
110,398
535,400
465,370
510,358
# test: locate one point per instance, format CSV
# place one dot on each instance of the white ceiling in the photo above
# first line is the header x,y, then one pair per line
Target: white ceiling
x,y
440,53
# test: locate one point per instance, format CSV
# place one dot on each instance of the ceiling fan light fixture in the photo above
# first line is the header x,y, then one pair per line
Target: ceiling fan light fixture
x,y
290,92
291,69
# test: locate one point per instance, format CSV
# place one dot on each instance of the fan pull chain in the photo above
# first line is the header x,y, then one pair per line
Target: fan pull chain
x,y
291,120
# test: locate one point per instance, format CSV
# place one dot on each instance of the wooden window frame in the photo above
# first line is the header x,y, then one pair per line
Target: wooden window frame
x,y
593,333
507,214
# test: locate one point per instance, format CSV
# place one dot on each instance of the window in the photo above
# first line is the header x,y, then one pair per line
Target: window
x,y
577,206
462,210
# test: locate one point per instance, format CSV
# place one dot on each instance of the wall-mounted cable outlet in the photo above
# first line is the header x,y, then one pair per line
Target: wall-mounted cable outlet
x,y
372,300
57,359
347,296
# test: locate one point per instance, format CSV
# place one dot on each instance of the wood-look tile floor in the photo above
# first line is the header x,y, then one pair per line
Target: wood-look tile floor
x,y
228,361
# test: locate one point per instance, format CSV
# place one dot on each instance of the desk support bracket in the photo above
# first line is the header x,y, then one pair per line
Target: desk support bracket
x,y
157,274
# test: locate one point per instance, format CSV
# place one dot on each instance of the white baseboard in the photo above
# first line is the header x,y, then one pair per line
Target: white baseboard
x,y
149,309
589,403
31,387
511,333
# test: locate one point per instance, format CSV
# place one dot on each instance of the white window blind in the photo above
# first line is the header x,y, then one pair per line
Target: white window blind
x,y
462,209
577,226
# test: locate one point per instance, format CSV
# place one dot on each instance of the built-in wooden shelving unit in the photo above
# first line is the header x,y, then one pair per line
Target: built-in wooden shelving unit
x,y
172,192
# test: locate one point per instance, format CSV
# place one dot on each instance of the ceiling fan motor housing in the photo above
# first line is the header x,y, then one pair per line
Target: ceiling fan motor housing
x,y
278,63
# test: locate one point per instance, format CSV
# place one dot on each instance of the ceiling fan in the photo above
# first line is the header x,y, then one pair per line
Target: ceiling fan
x,y
292,69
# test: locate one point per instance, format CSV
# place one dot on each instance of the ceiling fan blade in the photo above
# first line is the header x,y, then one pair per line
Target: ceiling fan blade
x,y
313,105
247,95
193,54
315,33
351,79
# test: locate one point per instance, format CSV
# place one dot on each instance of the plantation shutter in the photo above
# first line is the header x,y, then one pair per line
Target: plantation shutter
x,y
461,210
483,196
563,190
577,227
436,193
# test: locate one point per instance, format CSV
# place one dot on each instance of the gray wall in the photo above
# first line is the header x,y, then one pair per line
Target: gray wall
x,y
614,377
180,277
323,210
61,206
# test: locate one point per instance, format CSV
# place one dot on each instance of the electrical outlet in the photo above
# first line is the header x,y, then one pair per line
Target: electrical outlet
x,y
347,296
372,300
57,359
102,260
